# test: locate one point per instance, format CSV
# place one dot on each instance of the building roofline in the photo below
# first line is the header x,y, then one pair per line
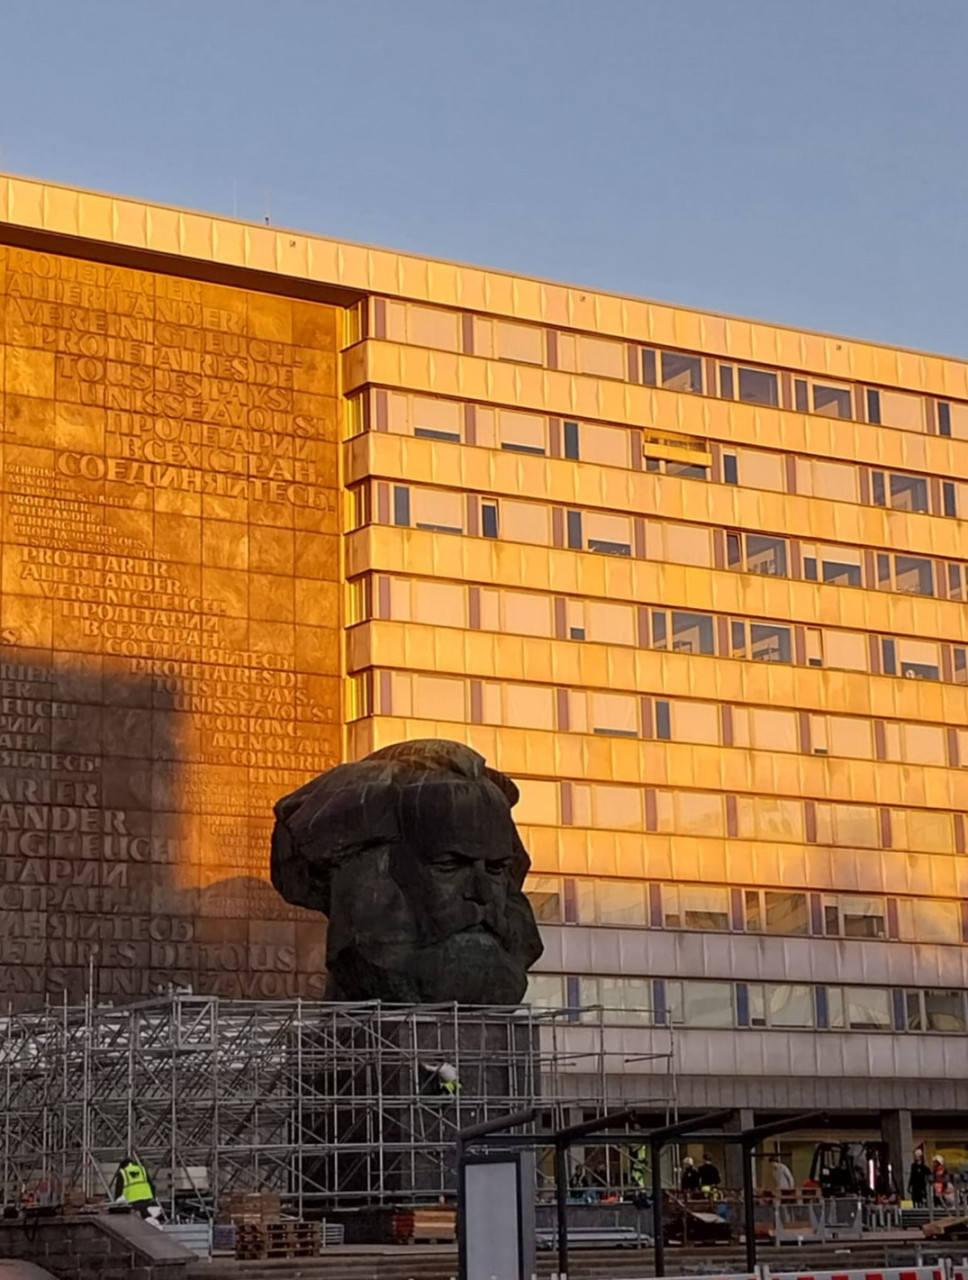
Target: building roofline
x,y
34,204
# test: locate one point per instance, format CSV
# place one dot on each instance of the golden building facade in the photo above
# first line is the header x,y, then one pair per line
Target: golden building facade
x,y
697,583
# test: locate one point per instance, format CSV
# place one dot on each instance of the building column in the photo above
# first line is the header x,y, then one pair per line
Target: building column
x,y
897,1132
733,1173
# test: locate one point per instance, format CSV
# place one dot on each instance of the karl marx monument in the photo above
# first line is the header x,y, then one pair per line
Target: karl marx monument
x,y
413,856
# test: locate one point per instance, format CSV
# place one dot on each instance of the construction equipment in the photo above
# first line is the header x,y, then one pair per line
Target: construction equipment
x,y
853,1169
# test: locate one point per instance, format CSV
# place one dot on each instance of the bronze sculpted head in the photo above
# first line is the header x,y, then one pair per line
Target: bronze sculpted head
x,y
414,857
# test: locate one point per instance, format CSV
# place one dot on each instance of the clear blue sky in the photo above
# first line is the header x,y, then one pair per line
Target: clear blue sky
x,y
804,161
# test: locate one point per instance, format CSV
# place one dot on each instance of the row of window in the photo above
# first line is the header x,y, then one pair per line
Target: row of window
x,y
613,807
673,542
516,432
531,613
742,1005
680,371
422,696
728,909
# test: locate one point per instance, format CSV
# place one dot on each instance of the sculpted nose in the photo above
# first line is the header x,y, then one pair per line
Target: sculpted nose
x,y
478,884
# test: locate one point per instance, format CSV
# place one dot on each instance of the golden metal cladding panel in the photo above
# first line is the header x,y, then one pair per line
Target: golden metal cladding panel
x,y
170,621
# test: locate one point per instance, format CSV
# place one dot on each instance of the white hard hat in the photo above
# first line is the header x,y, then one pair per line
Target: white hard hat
x,y
447,1073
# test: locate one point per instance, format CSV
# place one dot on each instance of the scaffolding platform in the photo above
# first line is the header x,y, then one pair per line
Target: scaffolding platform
x,y
329,1105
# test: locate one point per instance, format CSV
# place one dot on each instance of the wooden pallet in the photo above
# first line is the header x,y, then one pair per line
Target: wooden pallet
x,y
437,1225
277,1240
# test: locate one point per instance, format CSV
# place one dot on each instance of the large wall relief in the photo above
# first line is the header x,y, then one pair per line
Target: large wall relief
x,y
169,627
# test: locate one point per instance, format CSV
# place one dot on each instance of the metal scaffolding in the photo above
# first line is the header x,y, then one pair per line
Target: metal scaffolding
x,y
325,1103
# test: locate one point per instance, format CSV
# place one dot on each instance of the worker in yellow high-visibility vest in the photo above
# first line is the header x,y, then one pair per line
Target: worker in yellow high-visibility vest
x,y
131,1182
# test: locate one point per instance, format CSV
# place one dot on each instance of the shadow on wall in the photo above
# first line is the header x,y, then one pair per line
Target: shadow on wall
x,y
115,845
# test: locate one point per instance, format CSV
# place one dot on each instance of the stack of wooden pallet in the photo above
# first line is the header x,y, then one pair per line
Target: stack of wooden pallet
x,y
249,1207
437,1225
277,1240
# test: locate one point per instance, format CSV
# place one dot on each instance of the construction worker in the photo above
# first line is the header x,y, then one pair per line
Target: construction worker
x,y
132,1184
448,1079
639,1167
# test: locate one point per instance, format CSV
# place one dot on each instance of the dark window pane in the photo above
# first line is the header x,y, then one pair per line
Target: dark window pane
x,y
726,381
770,644
766,555
800,396
544,894
758,387
949,499
574,530
944,1010
913,1005
431,433
663,727
954,581
686,470
944,419
873,406
648,367
401,505
786,912
734,554
571,440
884,571
692,632
889,657
810,568
681,373
754,917
914,574
489,519
606,548
878,489
737,639
833,402
653,464
862,926
841,574
730,468
908,493
576,633
831,921
658,630
960,656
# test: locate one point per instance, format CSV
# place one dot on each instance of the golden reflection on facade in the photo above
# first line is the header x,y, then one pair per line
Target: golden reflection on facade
x,y
697,582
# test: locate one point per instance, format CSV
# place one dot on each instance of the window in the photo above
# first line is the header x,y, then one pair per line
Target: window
x,y
615,902
848,826
489,525
769,818
853,916
781,1005
918,660
607,807
681,373
695,906
614,713
521,342
696,722
944,419
571,441
437,510
538,804
546,991
832,402
935,1011
845,650
908,493
766,555
691,632
428,327
761,470
822,479
686,470
862,1009
522,432
776,911
432,419
648,367
601,357
726,382
606,534
526,522
401,505
544,894
701,1004
608,446
663,720
763,729
929,920
873,406
948,499
922,830
851,736
440,603
840,566
913,574
610,623
770,643
624,1000
690,813
900,410
915,743
522,706
680,543
758,387
730,469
